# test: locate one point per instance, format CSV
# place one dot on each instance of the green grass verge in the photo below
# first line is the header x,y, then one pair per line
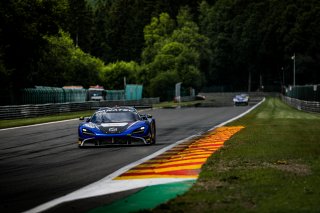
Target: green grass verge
x,y
273,165
43,119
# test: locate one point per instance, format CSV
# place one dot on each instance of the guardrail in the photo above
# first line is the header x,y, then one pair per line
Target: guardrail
x,y
188,98
34,110
309,106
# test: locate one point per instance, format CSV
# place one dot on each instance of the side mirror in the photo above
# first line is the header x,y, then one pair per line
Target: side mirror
x,y
85,119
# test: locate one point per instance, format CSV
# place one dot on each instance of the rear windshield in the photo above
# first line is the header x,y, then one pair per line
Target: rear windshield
x,y
114,117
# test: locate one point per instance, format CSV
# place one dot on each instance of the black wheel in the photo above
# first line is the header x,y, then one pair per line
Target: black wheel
x,y
79,143
153,134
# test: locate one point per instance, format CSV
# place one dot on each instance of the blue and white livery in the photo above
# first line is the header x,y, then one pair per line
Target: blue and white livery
x,y
116,126
242,99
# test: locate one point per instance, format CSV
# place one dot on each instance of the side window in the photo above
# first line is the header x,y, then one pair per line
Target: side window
x,y
96,118
136,117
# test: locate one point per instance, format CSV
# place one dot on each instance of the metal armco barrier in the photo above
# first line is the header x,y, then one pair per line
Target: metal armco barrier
x,y
309,106
34,110
304,92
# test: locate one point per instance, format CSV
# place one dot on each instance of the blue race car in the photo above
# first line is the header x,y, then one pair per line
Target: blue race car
x,y
242,99
117,125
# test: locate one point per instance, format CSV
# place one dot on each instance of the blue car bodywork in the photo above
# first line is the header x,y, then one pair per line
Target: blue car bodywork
x,y
117,125
242,99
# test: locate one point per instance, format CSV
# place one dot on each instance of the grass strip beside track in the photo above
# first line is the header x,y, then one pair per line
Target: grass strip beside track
x,y
149,197
43,119
273,165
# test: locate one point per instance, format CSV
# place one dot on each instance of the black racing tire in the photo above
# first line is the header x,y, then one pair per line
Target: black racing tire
x,y
80,147
153,133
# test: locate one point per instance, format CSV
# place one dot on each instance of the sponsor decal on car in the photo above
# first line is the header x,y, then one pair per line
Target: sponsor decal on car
x,y
112,129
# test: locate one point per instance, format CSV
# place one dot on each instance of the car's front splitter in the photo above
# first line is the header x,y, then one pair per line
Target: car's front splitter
x,y
105,141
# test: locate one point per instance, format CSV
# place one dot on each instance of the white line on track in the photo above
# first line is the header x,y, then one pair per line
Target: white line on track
x,y
108,186
42,124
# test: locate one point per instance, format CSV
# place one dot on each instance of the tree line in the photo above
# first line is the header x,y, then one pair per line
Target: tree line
x,y
226,44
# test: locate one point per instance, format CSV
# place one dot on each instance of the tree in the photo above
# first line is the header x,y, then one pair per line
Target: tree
x,y
100,46
175,48
22,27
80,22
163,85
67,64
303,39
114,73
255,39
22,32
155,34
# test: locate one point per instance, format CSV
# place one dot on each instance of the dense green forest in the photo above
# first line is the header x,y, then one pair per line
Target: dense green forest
x,y
230,45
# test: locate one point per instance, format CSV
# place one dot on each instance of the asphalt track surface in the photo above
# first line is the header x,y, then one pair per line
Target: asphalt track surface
x,y
41,163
